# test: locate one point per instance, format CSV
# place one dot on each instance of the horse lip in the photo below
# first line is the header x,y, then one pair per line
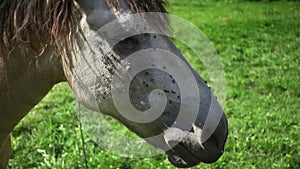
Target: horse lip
x,y
186,160
212,154
184,154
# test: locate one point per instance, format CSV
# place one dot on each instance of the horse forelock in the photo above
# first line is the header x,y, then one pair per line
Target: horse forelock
x,y
53,19
139,6
145,6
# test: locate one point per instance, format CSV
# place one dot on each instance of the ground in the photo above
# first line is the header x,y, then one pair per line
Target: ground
x,y
259,46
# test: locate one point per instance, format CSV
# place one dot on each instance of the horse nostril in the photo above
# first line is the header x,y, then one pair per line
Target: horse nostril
x,y
192,130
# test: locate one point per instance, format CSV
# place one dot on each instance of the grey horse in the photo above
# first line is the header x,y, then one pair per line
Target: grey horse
x,y
39,45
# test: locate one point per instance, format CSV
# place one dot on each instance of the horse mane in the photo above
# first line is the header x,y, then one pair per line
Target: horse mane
x,y
138,6
20,18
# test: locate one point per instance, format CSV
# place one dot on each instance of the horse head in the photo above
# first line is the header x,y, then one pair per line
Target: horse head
x,y
125,72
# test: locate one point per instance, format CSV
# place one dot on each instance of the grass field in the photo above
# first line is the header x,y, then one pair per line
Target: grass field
x,y
259,45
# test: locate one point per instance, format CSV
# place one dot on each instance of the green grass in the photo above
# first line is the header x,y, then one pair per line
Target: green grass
x,y
259,45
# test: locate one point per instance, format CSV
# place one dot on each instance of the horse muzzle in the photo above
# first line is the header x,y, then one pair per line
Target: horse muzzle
x,y
187,149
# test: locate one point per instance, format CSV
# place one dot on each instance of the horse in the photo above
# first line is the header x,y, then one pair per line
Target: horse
x,y
40,46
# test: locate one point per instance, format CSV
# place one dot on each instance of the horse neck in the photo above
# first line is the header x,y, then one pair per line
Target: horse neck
x,y
25,78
